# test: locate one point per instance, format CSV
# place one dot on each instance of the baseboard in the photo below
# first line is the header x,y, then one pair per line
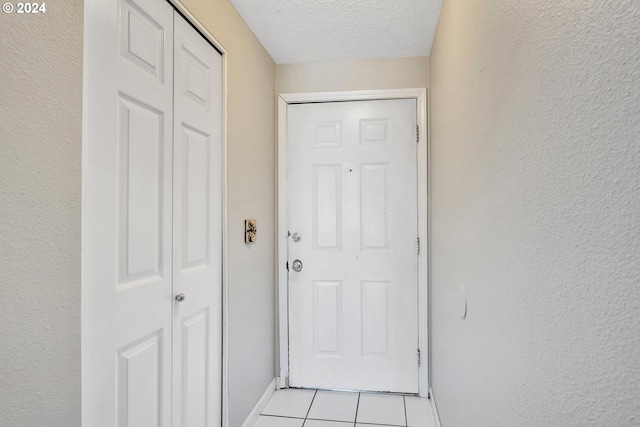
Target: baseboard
x,y
255,412
434,408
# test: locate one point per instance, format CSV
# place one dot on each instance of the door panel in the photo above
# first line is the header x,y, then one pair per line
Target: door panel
x,y
375,319
352,182
197,273
327,207
152,228
142,40
327,321
374,193
139,373
127,224
142,150
194,370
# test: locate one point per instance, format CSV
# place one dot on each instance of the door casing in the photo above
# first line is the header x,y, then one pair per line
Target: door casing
x,y
282,301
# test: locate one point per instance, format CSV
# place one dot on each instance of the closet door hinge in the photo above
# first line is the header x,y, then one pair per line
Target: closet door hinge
x,y
418,245
419,357
417,133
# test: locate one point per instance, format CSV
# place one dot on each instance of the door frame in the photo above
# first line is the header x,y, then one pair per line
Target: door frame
x,y
282,299
94,6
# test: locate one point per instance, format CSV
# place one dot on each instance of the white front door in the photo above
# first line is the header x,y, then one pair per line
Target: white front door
x,y
352,212
151,220
197,230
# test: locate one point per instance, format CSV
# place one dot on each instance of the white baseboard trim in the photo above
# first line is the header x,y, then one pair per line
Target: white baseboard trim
x,y
434,408
255,413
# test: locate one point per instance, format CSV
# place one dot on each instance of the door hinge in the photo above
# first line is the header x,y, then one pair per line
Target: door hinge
x,y
418,357
287,265
417,133
418,245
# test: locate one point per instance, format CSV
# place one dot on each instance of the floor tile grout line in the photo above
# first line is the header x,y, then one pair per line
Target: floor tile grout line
x,y
309,410
406,419
355,421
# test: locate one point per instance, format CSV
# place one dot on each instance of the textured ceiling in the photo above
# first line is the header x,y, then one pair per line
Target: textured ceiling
x,y
323,30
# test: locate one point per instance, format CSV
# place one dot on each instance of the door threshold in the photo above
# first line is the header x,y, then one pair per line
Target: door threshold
x,y
341,390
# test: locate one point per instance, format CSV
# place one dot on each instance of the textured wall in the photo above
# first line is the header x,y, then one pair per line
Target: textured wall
x,y
40,192
535,209
360,74
251,188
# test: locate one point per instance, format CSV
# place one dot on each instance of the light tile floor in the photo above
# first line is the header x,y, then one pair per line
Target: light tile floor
x,y
311,408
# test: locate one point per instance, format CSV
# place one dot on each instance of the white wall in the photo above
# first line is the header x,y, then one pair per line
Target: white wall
x,y
251,192
40,193
535,209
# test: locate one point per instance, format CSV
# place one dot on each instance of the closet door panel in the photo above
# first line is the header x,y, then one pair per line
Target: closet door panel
x,y
197,213
127,214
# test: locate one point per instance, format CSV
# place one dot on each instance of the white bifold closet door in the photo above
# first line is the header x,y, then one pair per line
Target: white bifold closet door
x,y
197,230
152,219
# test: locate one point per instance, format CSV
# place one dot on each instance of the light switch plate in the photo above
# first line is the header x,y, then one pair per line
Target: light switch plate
x,y
250,230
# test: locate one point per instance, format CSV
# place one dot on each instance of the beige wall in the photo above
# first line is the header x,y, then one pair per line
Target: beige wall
x,y
535,149
251,192
361,74
40,202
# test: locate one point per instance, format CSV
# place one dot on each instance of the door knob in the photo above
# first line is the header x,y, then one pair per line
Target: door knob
x,y
297,265
180,297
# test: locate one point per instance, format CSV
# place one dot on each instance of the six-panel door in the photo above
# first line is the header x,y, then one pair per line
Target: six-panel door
x,y
352,197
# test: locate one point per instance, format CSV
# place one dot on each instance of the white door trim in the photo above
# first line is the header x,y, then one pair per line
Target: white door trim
x,y
182,9
282,306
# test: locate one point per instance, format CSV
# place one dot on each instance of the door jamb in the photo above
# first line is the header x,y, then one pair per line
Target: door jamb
x,y
282,300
